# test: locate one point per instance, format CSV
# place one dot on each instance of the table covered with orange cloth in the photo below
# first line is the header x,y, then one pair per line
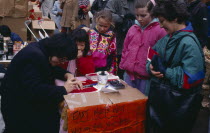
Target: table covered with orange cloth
x,y
97,112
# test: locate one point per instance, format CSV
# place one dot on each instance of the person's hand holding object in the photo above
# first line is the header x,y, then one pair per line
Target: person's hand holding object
x,y
73,84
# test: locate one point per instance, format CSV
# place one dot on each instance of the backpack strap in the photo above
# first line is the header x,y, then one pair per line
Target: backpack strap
x,y
174,51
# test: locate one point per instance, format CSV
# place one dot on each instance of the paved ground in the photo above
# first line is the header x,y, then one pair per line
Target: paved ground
x,y
202,123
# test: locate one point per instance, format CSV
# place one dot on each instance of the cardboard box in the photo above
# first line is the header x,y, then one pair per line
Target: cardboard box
x,y
21,8
123,112
45,18
30,7
14,8
38,13
48,25
36,8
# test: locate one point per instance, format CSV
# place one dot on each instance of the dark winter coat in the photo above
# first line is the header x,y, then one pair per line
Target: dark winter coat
x,y
29,97
198,17
98,5
120,9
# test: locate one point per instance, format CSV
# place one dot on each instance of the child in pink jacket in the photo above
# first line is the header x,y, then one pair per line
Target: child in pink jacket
x,y
139,38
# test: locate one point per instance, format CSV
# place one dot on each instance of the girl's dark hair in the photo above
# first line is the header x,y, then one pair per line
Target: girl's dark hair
x,y
144,3
171,10
5,31
80,35
60,45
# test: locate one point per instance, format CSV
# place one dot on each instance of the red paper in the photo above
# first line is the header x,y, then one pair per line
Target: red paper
x,y
151,53
89,89
88,82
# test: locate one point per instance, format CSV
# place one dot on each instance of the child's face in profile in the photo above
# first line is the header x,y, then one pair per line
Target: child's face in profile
x,y
103,25
143,16
80,47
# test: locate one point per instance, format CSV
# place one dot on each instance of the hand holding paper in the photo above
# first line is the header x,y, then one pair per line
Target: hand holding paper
x,y
73,84
156,74
158,64
151,53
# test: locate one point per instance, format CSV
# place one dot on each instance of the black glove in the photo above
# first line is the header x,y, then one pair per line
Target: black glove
x,y
158,64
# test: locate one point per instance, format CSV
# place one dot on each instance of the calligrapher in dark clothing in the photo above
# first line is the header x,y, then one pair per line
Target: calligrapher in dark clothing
x,y
29,97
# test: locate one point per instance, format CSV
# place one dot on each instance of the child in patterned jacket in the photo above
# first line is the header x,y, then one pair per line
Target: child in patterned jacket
x,y
103,43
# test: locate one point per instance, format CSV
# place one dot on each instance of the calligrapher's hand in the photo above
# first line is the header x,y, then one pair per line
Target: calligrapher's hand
x,y
69,76
73,84
156,74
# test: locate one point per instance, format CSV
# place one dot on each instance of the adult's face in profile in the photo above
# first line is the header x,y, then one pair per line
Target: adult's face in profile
x,y
169,26
54,61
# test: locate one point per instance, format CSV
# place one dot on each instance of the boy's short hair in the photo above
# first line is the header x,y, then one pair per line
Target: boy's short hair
x,y
5,31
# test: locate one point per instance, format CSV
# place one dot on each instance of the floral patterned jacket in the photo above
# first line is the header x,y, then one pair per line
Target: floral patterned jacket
x,y
103,50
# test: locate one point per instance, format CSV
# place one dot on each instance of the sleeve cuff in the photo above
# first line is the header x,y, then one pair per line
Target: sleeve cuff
x,y
147,68
168,73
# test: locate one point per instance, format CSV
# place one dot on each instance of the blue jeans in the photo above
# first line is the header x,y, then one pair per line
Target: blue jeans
x,y
140,84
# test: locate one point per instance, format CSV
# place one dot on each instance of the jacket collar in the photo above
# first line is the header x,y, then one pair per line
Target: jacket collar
x,y
150,25
176,35
154,21
188,28
103,34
